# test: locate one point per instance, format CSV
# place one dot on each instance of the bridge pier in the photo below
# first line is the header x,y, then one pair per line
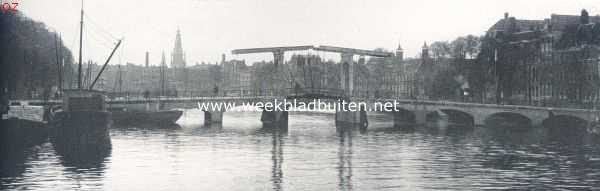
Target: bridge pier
x,y
278,119
421,116
351,118
213,117
403,118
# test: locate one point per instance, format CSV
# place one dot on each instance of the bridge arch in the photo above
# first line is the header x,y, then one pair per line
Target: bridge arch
x,y
508,120
458,118
565,122
404,117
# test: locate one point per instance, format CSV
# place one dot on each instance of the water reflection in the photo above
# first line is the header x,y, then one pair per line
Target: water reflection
x,y
85,161
277,133
13,165
547,159
146,126
240,154
84,157
345,157
210,128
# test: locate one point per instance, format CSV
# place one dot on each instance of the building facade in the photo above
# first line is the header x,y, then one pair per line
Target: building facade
x,y
550,62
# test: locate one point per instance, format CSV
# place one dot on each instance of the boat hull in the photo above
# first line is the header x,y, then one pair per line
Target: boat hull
x,y
17,134
82,137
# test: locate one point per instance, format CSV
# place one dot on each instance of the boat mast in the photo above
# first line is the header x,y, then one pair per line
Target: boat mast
x,y
58,64
80,46
120,80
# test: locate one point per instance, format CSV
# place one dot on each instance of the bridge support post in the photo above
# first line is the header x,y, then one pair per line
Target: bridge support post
x,y
347,73
351,118
274,119
213,117
278,58
278,83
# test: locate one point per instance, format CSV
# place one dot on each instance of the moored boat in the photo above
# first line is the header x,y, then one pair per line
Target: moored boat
x,y
22,126
80,128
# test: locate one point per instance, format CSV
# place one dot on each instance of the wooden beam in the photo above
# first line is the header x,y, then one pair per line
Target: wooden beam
x,y
271,49
352,51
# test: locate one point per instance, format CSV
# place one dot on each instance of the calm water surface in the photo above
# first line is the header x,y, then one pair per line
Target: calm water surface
x,y
315,155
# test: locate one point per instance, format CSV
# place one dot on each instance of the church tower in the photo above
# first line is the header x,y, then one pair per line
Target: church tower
x,y
426,73
425,51
399,52
178,57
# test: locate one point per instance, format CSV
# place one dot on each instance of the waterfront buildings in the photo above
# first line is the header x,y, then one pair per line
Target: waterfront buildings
x,y
545,62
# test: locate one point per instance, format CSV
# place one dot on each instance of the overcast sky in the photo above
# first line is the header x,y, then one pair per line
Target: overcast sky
x,y
212,27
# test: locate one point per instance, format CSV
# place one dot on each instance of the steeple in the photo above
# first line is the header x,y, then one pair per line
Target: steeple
x,y
425,51
178,40
399,52
178,58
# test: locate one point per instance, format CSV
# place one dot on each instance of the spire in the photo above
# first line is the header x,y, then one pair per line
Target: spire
x,y
178,58
399,52
178,40
425,50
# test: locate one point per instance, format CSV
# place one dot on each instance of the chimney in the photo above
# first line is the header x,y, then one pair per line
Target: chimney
x,y
505,15
147,59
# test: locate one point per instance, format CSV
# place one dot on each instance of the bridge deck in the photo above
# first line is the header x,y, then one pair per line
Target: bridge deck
x,y
266,98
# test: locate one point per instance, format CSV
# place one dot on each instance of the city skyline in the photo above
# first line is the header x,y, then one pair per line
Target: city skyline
x,y
210,28
322,95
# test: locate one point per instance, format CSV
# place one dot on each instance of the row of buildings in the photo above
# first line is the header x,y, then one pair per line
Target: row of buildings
x,y
553,61
549,62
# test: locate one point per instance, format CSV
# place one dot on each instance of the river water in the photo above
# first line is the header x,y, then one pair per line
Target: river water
x,y
315,155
